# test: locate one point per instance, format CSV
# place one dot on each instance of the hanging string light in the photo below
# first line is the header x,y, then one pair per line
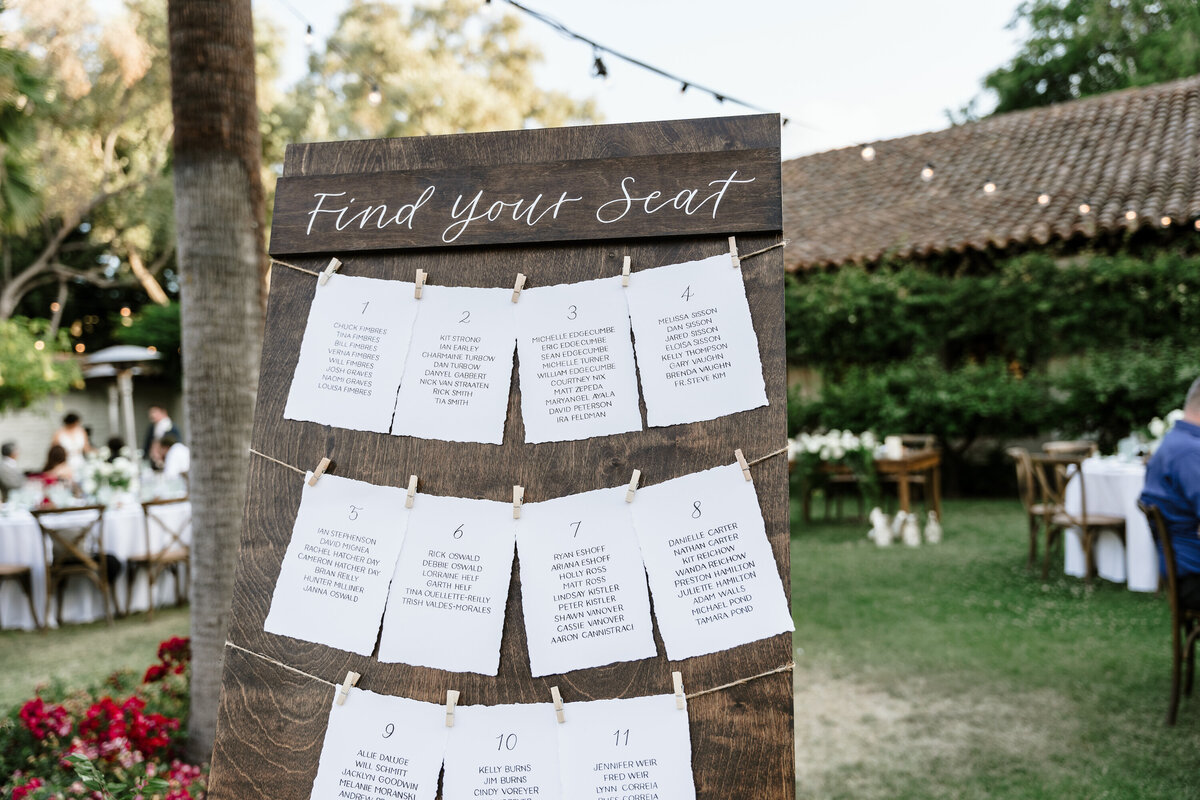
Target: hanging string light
x,y
867,153
1085,208
1166,221
989,187
375,97
1131,215
308,35
927,172
1043,199
598,69
598,48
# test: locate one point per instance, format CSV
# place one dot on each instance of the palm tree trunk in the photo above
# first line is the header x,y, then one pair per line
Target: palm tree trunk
x,y
219,223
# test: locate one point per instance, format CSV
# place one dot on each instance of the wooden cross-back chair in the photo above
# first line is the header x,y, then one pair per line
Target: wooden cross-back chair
x,y
76,550
1075,447
1036,508
1053,474
1185,622
23,575
170,553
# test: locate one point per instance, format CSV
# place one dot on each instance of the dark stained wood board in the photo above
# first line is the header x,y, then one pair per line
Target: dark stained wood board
x,y
580,199
271,719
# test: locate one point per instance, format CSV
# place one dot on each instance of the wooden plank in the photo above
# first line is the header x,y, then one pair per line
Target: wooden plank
x,y
741,736
670,195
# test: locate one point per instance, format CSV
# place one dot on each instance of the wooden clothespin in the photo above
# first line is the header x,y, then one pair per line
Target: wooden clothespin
x,y
420,284
680,701
319,471
741,459
733,253
518,499
625,272
344,689
558,704
451,702
633,485
333,266
518,286
412,491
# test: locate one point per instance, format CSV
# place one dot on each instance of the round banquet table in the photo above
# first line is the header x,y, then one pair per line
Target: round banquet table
x,y
1113,487
21,542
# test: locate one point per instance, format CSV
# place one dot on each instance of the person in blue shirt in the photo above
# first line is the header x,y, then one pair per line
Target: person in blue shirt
x,y
1173,484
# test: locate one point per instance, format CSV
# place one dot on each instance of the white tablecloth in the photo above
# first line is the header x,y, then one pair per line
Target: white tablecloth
x,y
124,536
1113,487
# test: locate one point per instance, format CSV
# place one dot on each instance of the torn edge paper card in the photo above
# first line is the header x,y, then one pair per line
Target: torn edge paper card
x,y
379,747
639,746
712,573
503,752
697,352
333,581
578,378
353,353
450,588
459,370
583,587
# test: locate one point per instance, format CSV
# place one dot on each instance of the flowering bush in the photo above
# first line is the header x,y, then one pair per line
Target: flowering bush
x,y
98,745
815,453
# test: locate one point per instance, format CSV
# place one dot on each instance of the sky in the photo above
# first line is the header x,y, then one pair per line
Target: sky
x,y
845,72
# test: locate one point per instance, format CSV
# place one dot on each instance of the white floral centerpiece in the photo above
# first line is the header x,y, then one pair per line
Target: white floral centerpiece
x,y
106,479
1158,427
817,455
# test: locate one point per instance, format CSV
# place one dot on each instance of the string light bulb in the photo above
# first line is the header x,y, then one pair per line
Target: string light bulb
x,y
1084,208
1131,215
867,153
989,187
598,69
80,347
308,36
1196,224
1043,199
55,306
39,345
1166,221
720,98
927,172
683,89
375,97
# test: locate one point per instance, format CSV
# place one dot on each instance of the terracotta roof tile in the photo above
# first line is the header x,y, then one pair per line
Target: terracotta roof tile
x,y
1133,150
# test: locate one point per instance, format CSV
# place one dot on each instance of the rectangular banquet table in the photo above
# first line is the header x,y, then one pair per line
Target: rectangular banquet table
x,y
1113,487
21,542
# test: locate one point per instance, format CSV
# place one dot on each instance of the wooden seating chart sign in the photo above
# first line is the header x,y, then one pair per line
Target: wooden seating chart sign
x,y
561,207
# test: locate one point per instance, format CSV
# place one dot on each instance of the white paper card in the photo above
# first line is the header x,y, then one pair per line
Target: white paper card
x,y
379,747
507,752
712,573
457,377
578,378
583,587
333,582
697,351
446,608
353,353
638,747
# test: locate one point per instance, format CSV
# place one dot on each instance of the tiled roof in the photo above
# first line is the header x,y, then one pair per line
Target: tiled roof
x,y
1134,150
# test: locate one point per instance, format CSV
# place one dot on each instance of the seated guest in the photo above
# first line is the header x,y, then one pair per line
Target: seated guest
x,y
1173,484
115,445
177,458
57,469
11,477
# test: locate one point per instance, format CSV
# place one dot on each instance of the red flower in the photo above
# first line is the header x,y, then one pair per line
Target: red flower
x,y
156,672
176,650
32,784
41,720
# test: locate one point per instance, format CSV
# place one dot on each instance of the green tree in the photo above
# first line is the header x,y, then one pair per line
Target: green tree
x,y
1078,48
438,68
32,364
20,93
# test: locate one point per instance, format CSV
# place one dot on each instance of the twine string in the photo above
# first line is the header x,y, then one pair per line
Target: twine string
x,y
722,687
315,274
277,461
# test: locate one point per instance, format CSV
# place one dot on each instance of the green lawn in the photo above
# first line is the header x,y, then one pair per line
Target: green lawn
x,y
950,671
81,656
